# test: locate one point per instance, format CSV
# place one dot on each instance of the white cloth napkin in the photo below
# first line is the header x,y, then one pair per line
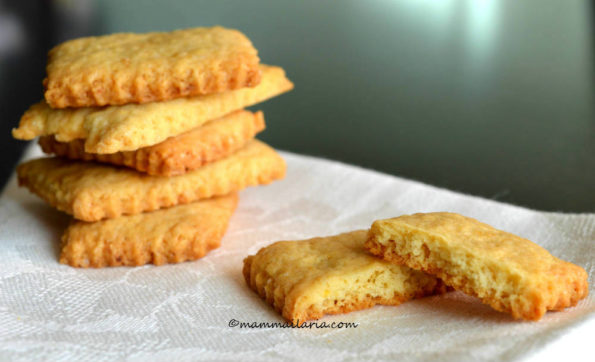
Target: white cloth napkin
x,y
182,312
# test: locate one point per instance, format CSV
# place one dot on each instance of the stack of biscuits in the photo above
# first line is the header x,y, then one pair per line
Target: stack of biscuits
x,y
152,142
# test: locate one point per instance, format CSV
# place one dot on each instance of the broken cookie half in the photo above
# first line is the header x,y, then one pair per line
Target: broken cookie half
x,y
510,273
307,279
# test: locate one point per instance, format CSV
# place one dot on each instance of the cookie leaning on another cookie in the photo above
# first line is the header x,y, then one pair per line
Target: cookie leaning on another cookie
x,y
310,278
176,155
173,235
138,68
134,126
509,273
91,191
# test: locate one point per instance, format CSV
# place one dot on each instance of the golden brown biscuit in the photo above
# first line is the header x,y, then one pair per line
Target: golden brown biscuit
x,y
138,68
91,191
176,155
310,278
173,235
509,273
133,126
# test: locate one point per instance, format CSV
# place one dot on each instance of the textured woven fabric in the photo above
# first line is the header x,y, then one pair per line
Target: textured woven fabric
x,y
183,312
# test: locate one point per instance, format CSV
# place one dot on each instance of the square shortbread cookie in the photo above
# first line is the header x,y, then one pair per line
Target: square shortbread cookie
x,y
138,68
176,155
90,191
173,235
134,126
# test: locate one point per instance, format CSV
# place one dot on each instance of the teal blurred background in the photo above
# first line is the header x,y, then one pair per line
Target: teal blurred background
x,y
491,98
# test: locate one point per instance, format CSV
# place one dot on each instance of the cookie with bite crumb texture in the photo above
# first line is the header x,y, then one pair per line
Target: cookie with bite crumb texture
x,y
510,273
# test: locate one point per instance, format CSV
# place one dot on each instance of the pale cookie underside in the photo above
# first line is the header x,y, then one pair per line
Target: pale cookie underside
x,y
176,155
173,235
138,68
91,191
510,273
134,126
307,279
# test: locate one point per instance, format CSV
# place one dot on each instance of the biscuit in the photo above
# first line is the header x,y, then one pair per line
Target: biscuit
x,y
509,273
307,279
176,155
134,126
138,68
91,191
174,235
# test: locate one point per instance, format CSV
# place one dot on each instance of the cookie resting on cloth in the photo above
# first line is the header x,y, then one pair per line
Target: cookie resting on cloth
x,y
173,235
133,126
307,279
176,155
138,68
510,273
90,191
